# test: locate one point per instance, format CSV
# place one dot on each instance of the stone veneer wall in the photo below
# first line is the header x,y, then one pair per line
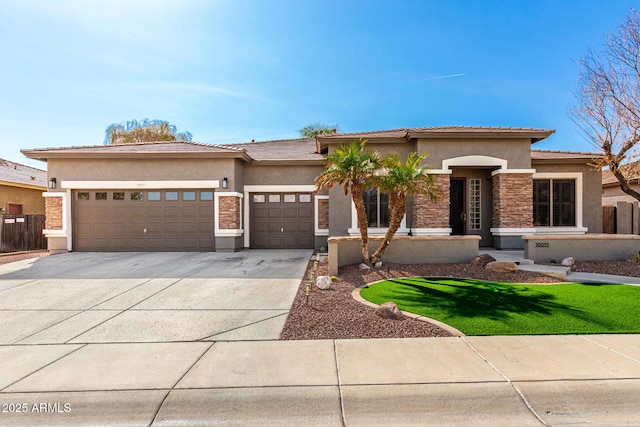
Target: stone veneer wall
x,y
53,211
323,214
229,208
427,214
513,200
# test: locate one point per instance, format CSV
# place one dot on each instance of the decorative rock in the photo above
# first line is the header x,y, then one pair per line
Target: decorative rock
x,y
378,264
323,282
364,266
502,267
568,262
389,310
482,260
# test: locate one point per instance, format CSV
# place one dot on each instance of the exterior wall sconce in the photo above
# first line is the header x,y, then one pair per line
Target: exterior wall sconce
x,y
225,182
52,184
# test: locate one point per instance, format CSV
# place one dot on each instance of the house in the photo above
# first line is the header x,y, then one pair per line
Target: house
x,y
175,196
21,188
611,191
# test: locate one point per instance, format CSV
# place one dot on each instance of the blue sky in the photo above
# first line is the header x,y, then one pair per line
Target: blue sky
x,y
236,70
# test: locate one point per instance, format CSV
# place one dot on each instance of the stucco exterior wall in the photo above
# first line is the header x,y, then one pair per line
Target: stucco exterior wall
x,y
339,212
31,200
517,152
281,174
142,170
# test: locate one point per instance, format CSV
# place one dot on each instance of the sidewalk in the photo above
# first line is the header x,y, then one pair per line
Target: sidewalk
x,y
469,381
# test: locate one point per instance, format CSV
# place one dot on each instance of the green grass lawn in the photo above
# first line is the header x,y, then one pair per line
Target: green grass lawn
x,y
477,307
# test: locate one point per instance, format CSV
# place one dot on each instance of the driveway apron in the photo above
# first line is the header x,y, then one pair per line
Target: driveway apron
x,y
83,298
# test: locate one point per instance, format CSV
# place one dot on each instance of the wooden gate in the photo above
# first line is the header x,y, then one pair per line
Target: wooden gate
x,y
22,233
609,225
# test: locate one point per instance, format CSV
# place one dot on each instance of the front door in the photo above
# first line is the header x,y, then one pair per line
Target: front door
x,y
457,214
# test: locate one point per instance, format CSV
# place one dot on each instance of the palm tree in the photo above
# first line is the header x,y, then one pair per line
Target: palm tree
x,y
354,167
400,181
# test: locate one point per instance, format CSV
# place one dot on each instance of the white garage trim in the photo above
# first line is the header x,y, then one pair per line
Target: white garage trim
x,y
268,189
132,185
66,231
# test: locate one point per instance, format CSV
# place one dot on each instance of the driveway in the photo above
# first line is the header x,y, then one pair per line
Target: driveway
x,y
80,298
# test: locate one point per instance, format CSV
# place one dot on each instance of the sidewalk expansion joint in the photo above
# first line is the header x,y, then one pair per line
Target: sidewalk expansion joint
x,y
342,410
609,348
80,346
514,386
155,416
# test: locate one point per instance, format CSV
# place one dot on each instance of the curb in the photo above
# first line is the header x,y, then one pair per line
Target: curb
x,y
453,331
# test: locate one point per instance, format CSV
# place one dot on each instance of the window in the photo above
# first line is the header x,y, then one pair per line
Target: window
x,y
136,195
289,198
83,196
474,204
258,198
274,198
206,195
304,198
188,196
554,202
154,196
171,196
118,195
101,195
376,205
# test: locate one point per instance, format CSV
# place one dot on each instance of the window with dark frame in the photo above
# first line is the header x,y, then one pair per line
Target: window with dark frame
x,y
554,202
376,205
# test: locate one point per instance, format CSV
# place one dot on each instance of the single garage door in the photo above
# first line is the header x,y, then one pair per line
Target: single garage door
x,y
133,220
281,221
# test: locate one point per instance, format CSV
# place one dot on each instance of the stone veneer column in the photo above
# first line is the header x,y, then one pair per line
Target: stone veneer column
x,y
323,214
53,212
229,208
513,200
55,228
430,215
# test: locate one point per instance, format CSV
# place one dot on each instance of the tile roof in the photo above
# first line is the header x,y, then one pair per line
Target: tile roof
x,y
141,147
21,174
302,149
562,155
444,130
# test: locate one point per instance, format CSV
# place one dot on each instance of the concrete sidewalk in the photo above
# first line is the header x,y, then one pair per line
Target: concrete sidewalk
x,y
469,381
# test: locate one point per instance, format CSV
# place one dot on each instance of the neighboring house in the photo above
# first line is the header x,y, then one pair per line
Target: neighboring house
x,y
21,188
611,192
197,197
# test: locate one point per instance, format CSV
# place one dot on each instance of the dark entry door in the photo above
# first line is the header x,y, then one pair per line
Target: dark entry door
x,y
457,215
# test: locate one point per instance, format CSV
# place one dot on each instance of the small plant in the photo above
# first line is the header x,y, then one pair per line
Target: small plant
x,y
635,258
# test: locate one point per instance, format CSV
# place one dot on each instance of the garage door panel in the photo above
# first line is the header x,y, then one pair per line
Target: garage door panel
x,y
119,225
275,212
284,222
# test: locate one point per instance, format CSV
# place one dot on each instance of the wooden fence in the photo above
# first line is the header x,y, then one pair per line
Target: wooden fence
x,y
22,233
609,220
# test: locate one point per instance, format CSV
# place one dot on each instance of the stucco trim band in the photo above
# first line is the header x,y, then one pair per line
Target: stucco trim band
x,y
128,185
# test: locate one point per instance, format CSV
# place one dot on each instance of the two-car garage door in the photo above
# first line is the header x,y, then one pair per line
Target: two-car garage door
x,y
149,220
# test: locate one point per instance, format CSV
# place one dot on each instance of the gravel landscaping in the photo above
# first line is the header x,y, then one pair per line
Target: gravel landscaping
x,y
334,314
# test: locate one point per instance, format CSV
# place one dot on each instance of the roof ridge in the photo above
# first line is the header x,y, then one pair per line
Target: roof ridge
x,y
129,144
565,151
270,140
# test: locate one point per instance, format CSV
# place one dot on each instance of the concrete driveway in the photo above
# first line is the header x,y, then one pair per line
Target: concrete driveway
x,y
79,298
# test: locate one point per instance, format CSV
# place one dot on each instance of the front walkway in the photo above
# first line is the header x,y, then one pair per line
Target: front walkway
x,y
560,272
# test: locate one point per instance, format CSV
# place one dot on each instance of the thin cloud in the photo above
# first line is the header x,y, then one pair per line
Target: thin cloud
x,y
448,76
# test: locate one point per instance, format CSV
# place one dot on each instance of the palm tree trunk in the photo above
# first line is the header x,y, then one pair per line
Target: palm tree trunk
x,y
398,206
361,213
